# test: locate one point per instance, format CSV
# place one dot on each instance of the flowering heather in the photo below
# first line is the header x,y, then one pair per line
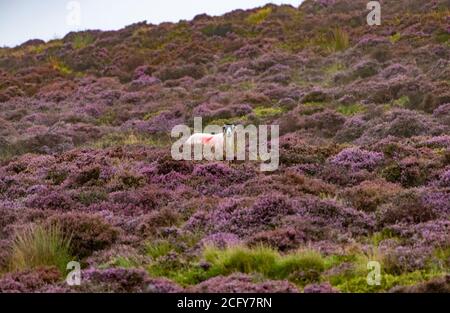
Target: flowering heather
x,y
240,283
319,288
221,240
364,144
357,159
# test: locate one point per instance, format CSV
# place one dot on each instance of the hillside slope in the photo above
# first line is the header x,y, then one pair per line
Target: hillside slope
x,y
364,115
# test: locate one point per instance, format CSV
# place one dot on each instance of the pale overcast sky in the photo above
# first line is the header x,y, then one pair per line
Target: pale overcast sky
x,y
21,20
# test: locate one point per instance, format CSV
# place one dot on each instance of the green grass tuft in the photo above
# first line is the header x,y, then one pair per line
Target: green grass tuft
x,y
351,109
81,41
40,246
300,267
262,112
259,16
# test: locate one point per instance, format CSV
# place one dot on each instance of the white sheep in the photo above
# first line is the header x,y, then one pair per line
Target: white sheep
x,y
212,140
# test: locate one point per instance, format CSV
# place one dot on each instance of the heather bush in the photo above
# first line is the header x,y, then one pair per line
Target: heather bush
x,y
120,280
29,280
152,222
240,283
221,240
326,123
403,259
369,195
117,255
408,207
332,213
177,72
297,232
265,213
167,165
356,159
404,124
443,113
320,288
88,233
139,201
409,172
434,285
352,129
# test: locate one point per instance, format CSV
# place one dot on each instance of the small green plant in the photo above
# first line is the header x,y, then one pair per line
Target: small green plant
x,y
300,267
81,41
403,102
228,59
128,139
92,196
108,118
40,246
59,66
247,85
395,37
217,30
267,111
334,68
259,16
339,40
158,248
350,109
121,261
333,41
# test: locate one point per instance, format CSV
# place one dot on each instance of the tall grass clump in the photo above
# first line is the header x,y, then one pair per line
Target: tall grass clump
x,y
339,40
81,41
333,41
301,267
39,245
259,16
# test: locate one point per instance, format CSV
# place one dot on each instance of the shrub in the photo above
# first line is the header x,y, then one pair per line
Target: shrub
x,y
240,259
58,200
158,248
264,214
120,280
59,66
240,283
410,171
408,207
263,112
357,159
290,237
221,240
327,122
88,233
81,41
349,110
301,267
88,176
320,288
434,285
29,280
217,30
352,129
259,16
368,195
37,246
153,221
334,41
